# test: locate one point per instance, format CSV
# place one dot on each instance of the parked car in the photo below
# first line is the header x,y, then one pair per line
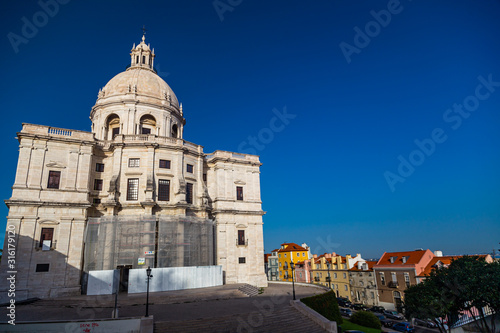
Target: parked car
x,y
344,302
379,309
403,326
393,314
358,306
346,312
425,322
384,321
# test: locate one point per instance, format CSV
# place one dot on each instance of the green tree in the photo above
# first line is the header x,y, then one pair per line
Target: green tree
x,y
467,283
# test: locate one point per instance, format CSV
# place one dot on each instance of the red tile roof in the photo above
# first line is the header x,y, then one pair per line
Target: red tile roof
x,y
412,258
441,261
291,247
370,266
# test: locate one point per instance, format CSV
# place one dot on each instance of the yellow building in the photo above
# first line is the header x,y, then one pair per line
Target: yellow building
x,y
332,270
290,252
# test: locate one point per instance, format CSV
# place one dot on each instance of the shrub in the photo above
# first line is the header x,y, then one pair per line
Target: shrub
x,y
326,305
365,318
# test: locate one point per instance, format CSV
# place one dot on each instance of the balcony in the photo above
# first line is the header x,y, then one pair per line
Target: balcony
x,y
392,284
241,242
316,278
328,279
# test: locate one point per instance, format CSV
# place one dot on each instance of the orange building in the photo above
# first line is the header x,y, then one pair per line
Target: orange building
x,y
396,271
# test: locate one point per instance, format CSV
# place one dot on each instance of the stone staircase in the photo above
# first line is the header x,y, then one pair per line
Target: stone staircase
x,y
249,290
283,319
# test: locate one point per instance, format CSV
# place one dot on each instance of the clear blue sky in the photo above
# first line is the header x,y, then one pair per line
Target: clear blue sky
x,y
350,118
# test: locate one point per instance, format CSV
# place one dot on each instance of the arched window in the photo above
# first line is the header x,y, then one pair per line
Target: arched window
x,y
175,131
148,124
112,127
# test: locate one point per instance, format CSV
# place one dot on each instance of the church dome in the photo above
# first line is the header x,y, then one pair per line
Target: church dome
x,y
144,83
139,82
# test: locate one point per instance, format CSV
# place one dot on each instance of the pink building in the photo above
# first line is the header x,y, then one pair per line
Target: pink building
x,y
303,271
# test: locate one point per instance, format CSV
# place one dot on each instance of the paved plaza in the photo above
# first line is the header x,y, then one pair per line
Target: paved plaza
x,y
215,309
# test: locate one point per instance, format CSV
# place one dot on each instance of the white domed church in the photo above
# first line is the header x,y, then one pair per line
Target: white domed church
x,y
131,193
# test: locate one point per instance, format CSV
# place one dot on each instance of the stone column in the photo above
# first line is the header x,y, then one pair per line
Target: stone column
x,y
37,164
23,163
72,169
74,252
84,167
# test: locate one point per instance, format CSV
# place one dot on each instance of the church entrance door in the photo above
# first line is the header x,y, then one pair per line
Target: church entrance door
x,y
124,271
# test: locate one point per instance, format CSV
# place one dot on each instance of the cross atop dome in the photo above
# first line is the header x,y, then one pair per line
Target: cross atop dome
x,y
141,55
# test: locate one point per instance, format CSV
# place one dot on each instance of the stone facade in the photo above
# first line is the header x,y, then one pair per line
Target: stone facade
x,y
363,283
134,163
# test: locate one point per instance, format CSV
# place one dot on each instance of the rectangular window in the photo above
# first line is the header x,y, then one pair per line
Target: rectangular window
x,y
407,279
98,184
345,287
394,278
134,162
382,278
133,189
334,275
239,192
189,168
164,164
99,167
42,268
345,276
116,131
46,237
241,260
189,193
204,177
146,130
163,190
54,178
241,237
96,201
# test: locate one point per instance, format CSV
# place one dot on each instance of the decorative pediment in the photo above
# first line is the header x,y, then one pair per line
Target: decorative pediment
x,y
53,164
239,182
240,226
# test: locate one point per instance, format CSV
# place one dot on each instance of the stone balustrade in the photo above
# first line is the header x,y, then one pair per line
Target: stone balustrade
x,y
56,132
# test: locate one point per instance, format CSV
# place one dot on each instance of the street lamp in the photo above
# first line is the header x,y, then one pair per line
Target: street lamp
x,y
148,273
292,266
